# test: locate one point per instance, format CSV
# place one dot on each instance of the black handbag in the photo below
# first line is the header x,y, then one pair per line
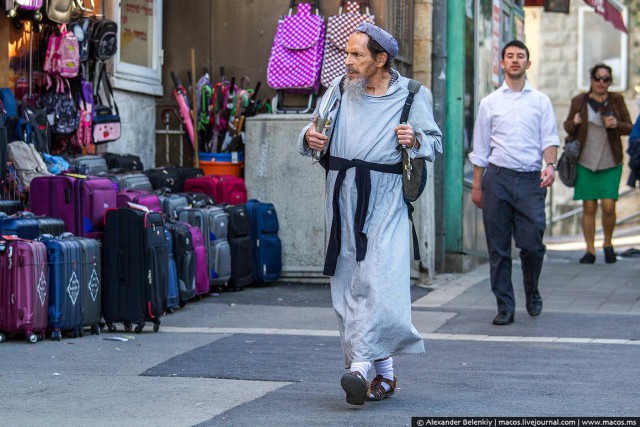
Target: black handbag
x,y
567,164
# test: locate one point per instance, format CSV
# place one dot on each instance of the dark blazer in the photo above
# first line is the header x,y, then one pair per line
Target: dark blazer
x,y
617,106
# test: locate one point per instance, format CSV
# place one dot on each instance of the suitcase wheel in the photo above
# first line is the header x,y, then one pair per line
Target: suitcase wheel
x,y
127,327
182,303
56,335
139,327
95,329
112,327
156,327
2,338
32,338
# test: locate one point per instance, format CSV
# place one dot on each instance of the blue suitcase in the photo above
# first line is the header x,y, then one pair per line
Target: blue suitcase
x,y
29,227
267,244
64,259
173,294
90,281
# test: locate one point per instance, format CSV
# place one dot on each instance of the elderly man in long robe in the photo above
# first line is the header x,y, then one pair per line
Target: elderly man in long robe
x,y
368,256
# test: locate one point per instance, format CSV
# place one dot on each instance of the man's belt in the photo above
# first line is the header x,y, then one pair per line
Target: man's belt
x,y
363,186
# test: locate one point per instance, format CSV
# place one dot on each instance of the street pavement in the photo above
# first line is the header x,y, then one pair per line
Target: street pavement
x,y
270,356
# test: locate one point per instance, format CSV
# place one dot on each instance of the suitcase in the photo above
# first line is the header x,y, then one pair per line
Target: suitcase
x,y
185,258
125,161
223,188
89,165
164,178
80,202
171,203
24,289
267,247
173,294
136,181
136,259
150,201
200,250
64,259
213,224
10,207
27,226
90,282
241,247
198,200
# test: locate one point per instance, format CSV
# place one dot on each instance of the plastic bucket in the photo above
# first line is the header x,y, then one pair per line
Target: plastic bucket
x,y
222,163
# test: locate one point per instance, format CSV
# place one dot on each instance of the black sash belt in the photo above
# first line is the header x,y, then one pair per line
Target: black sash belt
x,y
363,186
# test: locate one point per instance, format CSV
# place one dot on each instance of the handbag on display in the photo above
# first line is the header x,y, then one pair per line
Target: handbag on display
x,y
296,54
339,28
106,117
60,10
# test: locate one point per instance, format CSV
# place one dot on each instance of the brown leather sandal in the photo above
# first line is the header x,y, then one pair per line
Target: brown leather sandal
x,y
356,386
377,391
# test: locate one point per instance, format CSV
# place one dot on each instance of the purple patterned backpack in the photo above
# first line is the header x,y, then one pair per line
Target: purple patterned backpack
x,y
296,54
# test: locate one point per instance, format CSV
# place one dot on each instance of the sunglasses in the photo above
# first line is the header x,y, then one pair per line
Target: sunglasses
x,y
604,79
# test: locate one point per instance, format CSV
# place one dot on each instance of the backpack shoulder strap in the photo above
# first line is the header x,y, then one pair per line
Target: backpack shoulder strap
x,y
413,86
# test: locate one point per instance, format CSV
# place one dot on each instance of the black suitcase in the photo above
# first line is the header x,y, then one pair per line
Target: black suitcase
x,y
136,259
125,161
10,207
185,257
241,246
164,178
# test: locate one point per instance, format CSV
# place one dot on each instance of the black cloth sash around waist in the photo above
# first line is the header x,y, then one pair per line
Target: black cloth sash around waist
x,y
363,187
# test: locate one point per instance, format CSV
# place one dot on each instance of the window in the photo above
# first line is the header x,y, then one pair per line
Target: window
x,y
599,41
138,63
400,21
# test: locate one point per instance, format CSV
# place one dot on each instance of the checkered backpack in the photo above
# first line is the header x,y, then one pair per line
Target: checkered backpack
x,y
296,54
339,28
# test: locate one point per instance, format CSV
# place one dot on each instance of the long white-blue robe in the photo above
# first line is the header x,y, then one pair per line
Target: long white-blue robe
x,y
372,297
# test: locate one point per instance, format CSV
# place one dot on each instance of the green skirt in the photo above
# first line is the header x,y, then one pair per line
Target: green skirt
x,y
599,185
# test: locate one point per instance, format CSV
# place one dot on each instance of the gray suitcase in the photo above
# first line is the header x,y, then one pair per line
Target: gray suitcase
x,y
89,165
135,181
172,203
213,222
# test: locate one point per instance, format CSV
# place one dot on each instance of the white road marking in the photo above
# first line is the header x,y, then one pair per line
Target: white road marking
x,y
427,336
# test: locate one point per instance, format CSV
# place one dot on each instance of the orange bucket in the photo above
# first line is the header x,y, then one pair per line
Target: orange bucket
x,y
221,168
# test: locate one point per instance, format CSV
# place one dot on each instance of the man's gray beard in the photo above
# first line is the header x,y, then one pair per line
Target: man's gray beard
x,y
355,88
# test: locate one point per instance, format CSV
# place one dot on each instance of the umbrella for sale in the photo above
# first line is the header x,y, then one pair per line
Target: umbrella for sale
x,y
180,93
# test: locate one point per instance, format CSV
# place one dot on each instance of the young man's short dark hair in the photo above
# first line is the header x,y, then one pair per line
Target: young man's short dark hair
x,y
518,44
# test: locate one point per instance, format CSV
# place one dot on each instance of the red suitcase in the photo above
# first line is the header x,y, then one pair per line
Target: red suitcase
x,y
223,188
24,297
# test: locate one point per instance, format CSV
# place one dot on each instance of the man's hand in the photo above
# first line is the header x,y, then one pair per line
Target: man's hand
x,y
548,176
476,197
405,134
316,140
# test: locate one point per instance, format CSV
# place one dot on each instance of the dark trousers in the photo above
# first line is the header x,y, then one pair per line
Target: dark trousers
x,y
513,205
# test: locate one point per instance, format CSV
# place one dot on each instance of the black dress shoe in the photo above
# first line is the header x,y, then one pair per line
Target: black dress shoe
x,y
588,258
534,305
609,255
503,318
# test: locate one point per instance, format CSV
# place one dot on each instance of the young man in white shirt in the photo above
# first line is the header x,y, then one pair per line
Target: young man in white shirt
x,y
515,131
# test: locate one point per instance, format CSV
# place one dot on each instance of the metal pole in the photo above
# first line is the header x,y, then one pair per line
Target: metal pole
x,y
454,127
439,90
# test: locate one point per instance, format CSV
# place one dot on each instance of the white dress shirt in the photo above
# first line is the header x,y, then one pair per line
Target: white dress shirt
x,y
512,129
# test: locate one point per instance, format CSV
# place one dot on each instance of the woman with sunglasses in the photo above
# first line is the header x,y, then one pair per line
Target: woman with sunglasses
x,y
597,119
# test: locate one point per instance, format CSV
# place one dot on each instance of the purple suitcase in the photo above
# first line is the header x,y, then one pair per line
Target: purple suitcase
x,y
202,278
80,201
151,201
24,297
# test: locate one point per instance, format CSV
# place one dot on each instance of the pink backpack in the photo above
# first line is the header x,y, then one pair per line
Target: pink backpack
x,y
63,54
296,54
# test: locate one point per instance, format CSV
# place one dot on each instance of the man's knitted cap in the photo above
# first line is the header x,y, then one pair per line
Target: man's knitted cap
x,y
384,39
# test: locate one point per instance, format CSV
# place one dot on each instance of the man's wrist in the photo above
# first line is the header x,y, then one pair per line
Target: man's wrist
x,y
553,165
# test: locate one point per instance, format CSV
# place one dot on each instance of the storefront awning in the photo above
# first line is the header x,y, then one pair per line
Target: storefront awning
x,y
611,10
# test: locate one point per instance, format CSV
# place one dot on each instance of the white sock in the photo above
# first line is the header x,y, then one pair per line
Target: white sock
x,y
385,368
362,367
